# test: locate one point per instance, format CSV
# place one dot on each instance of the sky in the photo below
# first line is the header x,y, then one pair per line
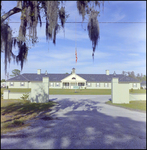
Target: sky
x,y
121,47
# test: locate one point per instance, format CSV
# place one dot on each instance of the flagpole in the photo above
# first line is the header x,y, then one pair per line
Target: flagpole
x,y
75,52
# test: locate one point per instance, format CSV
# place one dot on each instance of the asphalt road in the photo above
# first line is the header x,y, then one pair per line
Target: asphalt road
x,y
82,122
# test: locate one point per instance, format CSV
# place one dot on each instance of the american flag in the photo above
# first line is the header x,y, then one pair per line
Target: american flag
x,y
76,55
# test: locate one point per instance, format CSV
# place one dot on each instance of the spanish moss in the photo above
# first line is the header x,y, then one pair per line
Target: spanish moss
x,y
31,16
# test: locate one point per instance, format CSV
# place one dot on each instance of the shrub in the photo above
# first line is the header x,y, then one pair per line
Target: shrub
x,y
25,96
131,90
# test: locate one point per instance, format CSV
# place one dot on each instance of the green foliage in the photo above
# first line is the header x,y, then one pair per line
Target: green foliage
x,y
3,80
15,73
25,96
139,77
131,90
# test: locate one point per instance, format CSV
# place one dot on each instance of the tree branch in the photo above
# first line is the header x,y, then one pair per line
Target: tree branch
x,y
15,10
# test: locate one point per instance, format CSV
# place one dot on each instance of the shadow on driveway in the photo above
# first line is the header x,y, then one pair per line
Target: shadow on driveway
x,y
79,125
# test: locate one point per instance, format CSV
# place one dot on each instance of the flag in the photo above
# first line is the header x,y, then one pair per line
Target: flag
x,y
76,55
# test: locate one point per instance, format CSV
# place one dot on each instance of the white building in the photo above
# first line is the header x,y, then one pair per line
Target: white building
x,y
73,80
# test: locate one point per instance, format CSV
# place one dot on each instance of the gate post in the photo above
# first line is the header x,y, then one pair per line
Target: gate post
x,y
119,92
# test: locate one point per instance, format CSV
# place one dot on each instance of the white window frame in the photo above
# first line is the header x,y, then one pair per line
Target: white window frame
x,y
11,83
52,84
106,84
97,84
89,84
22,83
57,84
134,84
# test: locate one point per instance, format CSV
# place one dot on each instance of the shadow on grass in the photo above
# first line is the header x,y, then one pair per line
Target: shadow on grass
x,y
26,108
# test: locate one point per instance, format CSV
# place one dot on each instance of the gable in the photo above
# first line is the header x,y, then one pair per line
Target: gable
x,y
73,77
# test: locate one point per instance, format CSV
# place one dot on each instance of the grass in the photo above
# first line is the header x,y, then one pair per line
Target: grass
x,y
14,113
140,91
78,91
17,90
133,105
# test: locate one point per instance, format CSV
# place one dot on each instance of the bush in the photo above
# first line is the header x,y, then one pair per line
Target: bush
x,y
131,90
25,96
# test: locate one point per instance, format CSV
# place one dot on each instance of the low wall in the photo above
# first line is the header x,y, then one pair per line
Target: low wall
x,y
8,95
137,97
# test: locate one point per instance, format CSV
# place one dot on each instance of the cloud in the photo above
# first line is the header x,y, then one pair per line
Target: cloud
x,y
133,54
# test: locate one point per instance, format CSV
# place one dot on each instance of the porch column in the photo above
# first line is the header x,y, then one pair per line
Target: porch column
x,y
62,85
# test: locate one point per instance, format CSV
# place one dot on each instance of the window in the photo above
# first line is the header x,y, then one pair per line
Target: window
x,y
134,84
106,85
21,83
88,84
11,83
98,84
57,84
66,84
80,84
51,84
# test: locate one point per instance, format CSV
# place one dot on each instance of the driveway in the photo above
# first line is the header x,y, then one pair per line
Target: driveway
x,y
82,122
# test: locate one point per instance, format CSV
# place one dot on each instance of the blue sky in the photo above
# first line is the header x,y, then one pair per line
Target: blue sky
x,y
122,46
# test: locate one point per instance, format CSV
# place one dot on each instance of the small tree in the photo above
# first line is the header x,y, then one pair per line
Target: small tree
x,y
3,80
15,73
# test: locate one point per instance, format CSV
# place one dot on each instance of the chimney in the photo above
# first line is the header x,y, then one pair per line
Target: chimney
x,y
73,70
107,72
46,72
39,71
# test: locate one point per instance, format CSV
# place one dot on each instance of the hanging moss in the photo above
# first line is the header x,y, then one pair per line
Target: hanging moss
x,y
6,40
62,16
93,29
31,15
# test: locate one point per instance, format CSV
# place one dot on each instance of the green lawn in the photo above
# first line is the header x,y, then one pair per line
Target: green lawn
x,y
135,105
17,90
78,91
137,91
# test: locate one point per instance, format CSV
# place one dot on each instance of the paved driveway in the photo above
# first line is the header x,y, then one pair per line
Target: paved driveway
x,y
84,122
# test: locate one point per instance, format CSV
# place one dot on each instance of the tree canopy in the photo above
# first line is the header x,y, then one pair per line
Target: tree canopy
x,y
15,73
32,13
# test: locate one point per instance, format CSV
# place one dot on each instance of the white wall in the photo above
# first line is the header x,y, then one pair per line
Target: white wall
x,y
137,97
131,86
18,85
102,85
40,91
13,95
54,85
119,92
